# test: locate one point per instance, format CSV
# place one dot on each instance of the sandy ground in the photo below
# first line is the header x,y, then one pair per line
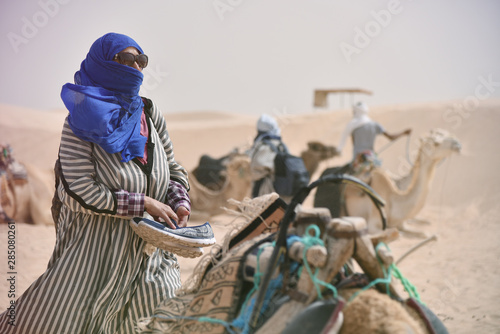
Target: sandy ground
x,y
457,276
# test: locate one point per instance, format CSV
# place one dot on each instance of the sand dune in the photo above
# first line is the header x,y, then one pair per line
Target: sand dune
x,y
457,276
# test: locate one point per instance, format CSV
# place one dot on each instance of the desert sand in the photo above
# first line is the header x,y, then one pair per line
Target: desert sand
x,y
457,276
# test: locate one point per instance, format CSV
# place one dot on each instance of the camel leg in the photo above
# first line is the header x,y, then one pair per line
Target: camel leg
x,y
410,231
385,236
366,257
419,221
358,204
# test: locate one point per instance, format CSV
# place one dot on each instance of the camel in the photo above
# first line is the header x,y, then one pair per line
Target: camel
x,y
351,302
404,197
25,191
315,153
28,200
7,198
367,310
33,197
235,182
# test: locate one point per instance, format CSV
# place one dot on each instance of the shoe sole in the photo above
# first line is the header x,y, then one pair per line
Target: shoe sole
x,y
156,234
151,236
182,251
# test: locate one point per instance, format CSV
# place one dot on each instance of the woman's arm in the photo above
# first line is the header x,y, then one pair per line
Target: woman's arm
x,y
177,196
177,172
80,191
178,200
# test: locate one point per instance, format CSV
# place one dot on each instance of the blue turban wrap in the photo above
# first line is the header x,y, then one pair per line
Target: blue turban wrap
x,y
104,103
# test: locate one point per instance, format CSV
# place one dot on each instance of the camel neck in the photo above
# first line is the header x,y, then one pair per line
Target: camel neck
x,y
422,175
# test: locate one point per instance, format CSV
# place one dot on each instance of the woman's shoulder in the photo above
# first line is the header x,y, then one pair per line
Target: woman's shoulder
x,y
151,110
149,106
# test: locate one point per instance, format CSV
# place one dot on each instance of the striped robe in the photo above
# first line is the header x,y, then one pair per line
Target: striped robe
x,y
98,279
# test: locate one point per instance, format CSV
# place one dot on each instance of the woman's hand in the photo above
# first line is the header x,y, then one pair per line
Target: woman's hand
x,y
162,211
183,215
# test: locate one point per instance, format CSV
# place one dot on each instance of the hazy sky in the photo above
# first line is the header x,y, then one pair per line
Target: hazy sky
x,y
255,56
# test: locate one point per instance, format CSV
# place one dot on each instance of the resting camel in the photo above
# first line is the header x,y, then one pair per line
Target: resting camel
x,y
220,289
34,198
28,200
236,183
7,199
25,191
315,153
404,197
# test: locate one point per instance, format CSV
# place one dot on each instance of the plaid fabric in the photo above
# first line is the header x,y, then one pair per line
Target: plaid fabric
x,y
177,196
132,204
129,204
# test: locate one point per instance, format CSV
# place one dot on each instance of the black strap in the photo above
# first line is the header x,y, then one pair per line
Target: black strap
x,y
280,148
256,187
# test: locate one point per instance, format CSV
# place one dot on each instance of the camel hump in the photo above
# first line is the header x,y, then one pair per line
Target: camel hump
x,y
210,171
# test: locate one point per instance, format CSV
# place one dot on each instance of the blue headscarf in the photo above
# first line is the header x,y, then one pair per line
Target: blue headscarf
x,y
104,104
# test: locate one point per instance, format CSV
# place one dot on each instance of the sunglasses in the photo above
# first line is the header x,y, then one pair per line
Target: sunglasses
x,y
126,58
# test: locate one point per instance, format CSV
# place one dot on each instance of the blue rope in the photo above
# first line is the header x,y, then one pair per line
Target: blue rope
x,y
392,270
311,240
243,320
410,288
386,280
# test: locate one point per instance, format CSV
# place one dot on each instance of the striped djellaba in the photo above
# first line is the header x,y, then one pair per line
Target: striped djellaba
x,y
99,279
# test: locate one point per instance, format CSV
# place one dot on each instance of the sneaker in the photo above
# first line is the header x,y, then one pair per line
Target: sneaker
x,y
157,233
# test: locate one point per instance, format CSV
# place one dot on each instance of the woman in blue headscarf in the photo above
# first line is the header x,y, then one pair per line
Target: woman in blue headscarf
x,y
116,161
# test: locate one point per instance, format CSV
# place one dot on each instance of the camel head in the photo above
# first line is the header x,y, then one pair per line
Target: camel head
x,y
238,172
238,166
323,151
439,144
237,184
315,153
